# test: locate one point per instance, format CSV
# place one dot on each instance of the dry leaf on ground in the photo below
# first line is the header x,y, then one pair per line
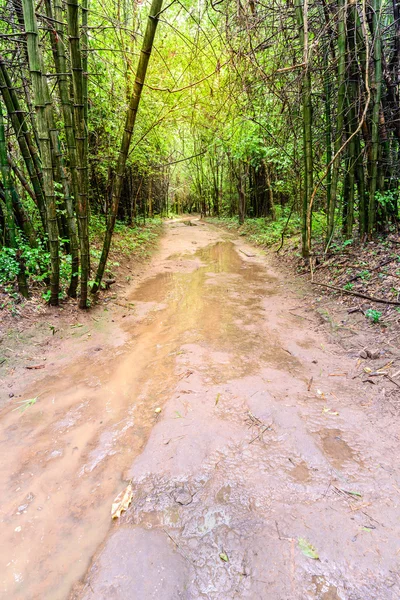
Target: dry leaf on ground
x,y
122,502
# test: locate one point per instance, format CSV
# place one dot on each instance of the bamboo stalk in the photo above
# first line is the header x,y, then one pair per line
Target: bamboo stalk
x,y
58,48
81,146
8,193
26,146
39,99
145,54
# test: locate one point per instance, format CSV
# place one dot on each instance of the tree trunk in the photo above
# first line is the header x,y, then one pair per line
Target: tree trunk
x,y
377,49
58,47
81,200
341,84
301,12
35,68
26,146
127,136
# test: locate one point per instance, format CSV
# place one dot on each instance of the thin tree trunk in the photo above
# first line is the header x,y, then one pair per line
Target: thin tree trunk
x,y
150,198
8,193
341,83
376,18
35,68
5,174
23,220
127,136
26,146
242,195
301,13
328,129
58,47
81,145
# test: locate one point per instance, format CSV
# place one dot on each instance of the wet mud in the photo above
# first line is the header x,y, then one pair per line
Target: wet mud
x,y
245,459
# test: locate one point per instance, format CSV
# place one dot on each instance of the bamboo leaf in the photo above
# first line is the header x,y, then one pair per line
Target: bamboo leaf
x,y
308,549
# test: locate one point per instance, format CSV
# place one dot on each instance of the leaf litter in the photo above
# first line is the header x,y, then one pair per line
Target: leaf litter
x,y
122,502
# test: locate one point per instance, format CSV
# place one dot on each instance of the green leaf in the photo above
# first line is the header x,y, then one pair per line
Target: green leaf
x,y
224,557
25,404
307,549
352,493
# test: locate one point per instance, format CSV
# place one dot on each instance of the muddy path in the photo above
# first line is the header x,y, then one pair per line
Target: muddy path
x,y
264,447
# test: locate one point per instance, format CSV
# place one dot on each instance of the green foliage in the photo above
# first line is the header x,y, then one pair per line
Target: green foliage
x,y
365,275
373,315
348,286
387,199
24,404
36,263
263,231
9,267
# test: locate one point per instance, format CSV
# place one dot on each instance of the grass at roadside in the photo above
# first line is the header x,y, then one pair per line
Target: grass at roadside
x,y
262,231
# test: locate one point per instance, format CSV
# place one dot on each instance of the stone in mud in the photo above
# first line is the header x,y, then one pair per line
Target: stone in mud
x,y
183,497
363,354
373,354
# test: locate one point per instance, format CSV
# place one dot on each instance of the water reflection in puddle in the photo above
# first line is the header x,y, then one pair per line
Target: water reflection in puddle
x,y
98,430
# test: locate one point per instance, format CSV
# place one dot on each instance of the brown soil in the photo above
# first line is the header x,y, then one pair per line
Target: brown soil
x,y
271,439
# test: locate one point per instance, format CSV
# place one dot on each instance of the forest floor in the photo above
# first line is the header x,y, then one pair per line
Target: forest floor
x,y
260,448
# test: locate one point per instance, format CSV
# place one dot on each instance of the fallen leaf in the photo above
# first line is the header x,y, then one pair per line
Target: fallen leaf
x,y
217,399
158,410
307,549
122,502
224,557
351,492
367,370
25,404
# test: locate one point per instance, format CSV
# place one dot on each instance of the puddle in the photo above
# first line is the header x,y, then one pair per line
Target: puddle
x,y
154,289
335,447
70,451
300,472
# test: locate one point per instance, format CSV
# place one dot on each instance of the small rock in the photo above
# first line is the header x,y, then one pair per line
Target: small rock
x,y
363,354
373,354
183,497
22,507
11,395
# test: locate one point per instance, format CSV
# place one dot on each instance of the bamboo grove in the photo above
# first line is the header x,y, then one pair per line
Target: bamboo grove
x,y
285,111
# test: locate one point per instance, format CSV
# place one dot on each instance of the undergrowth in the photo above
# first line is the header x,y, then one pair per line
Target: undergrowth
x,y
136,240
263,231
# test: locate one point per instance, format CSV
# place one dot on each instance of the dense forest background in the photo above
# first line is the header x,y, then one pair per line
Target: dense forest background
x,y
285,112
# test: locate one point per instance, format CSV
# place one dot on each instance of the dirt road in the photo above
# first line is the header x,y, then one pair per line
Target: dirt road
x,y
267,475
